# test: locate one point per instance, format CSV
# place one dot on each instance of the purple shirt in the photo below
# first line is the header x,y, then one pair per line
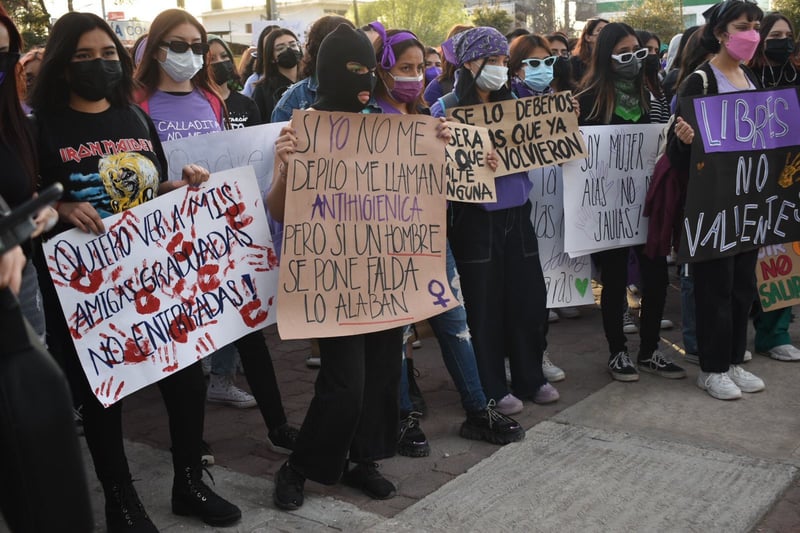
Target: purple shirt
x,y
725,86
185,115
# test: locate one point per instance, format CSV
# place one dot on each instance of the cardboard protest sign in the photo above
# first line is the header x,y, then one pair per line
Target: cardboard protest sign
x,y
364,226
778,275
567,279
169,282
528,133
604,194
469,177
254,146
744,176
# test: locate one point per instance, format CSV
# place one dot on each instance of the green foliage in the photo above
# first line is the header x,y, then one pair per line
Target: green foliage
x,y
494,17
791,10
31,18
661,17
429,20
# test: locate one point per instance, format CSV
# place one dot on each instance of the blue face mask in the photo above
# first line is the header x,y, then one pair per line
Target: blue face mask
x,y
538,78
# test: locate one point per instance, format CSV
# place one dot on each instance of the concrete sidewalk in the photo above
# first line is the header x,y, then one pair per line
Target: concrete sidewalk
x,y
657,455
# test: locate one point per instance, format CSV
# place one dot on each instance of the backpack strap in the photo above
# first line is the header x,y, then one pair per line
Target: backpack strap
x,y
704,76
140,113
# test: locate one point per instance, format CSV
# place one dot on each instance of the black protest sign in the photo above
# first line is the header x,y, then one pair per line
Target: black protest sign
x,y
744,175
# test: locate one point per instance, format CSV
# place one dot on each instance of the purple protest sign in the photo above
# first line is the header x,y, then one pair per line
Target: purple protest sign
x,y
752,120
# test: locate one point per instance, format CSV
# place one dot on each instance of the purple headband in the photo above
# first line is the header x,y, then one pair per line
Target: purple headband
x,y
474,43
388,59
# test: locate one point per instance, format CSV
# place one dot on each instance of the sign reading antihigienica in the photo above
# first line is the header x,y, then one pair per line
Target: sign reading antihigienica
x,y
744,176
364,225
527,133
168,283
604,194
567,279
469,176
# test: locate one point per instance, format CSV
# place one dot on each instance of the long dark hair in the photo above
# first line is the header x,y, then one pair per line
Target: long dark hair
x,y
148,72
760,60
13,124
318,31
235,83
582,48
258,64
51,91
270,67
398,49
599,77
692,57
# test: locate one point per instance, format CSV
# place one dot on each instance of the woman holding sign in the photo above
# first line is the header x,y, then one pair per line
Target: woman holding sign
x,y
724,288
495,246
83,98
399,91
772,64
615,92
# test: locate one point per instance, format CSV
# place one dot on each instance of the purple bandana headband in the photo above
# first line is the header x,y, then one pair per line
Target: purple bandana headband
x,y
474,44
388,59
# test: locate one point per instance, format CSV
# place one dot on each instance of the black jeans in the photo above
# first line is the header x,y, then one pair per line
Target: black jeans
x,y
260,374
184,394
613,266
355,405
504,294
724,291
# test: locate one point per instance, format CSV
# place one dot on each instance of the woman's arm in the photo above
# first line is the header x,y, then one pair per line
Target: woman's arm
x,y
276,197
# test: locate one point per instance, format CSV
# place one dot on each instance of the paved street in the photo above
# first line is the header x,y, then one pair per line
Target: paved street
x,y
657,455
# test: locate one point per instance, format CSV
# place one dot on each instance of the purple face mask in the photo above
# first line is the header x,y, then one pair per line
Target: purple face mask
x,y
406,89
431,73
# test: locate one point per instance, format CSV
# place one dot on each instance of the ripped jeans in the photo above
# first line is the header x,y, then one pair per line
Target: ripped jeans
x,y
452,332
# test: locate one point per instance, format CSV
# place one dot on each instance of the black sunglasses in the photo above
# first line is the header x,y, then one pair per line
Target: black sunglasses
x,y
180,47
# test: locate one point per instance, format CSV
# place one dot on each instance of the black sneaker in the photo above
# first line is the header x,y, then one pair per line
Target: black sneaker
x,y
206,455
491,426
365,477
282,439
411,441
289,484
658,364
124,511
417,401
621,367
192,497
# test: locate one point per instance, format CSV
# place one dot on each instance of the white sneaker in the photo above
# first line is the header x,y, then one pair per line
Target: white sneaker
x,y
667,323
746,381
718,385
552,316
221,389
551,372
569,312
509,405
748,356
784,352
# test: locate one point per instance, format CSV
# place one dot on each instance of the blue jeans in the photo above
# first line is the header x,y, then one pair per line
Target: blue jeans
x,y
452,332
223,361
688,316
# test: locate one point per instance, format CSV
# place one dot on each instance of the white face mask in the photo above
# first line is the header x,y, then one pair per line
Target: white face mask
x,y
182,67
492,77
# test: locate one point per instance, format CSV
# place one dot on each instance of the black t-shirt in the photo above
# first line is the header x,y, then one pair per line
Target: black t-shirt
x,y
242,111
268,92
112,159
15,185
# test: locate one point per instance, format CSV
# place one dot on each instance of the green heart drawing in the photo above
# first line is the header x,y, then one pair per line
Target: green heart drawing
x,y
581,285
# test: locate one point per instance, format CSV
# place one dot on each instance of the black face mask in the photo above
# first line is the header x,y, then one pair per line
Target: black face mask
x,y
778,50
338,87
562,69
289,58
94,80
223,71
651,65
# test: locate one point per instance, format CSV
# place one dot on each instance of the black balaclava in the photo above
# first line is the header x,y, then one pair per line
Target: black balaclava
x,y
338,87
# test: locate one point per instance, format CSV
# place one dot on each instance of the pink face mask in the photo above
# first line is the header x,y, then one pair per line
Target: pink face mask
x,y
742,45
